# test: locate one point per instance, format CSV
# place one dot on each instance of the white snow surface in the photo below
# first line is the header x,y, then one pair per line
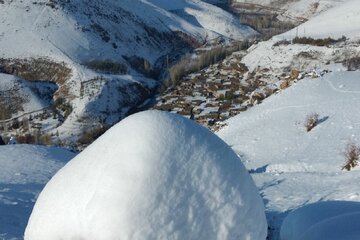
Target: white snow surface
x,y
155,175
24,171
292,167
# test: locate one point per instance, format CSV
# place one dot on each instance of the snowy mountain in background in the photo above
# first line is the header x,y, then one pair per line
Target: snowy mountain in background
x,y
80,31
341,20
338,37
104,55
287,10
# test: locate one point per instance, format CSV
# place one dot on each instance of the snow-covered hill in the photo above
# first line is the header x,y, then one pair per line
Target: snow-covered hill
x,y
293,167
24,96
282,53
83,30
288,10
341,20
110,49
24,170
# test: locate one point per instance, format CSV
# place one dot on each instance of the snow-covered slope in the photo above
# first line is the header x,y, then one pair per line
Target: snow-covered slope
x,y
289,10
83,30
291,166
24,170
342,20
158,176
215,20
338,21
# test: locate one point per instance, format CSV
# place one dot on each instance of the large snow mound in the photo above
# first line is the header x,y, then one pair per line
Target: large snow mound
x,y
323,220
154,175
24,170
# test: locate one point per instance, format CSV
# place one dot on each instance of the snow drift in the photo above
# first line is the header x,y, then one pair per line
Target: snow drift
x,y
154,175
323,220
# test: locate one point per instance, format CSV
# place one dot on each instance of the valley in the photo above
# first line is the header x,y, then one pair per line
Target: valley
x,y
101,74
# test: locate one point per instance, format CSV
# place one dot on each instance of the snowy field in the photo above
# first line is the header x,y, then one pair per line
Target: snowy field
x,y
293,167
24,170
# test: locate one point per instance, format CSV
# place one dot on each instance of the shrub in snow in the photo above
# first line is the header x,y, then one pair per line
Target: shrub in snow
x,y
352,153
352,64
318,42
311,121
91,135
154,175
333,220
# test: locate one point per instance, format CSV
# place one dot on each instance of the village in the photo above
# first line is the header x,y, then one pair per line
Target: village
x,y
223,90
